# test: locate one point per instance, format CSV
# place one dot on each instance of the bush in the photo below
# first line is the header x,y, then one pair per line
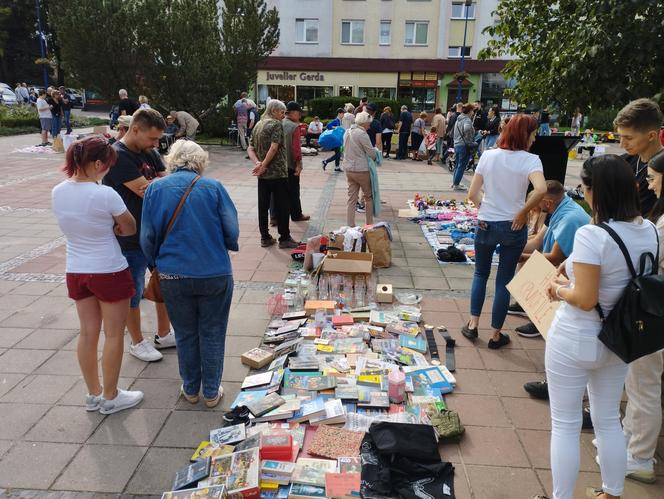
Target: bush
x,y
18,117
326,107
19,122
601,119
216,123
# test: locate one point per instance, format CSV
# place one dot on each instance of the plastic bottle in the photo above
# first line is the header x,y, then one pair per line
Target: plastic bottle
x,y
396,388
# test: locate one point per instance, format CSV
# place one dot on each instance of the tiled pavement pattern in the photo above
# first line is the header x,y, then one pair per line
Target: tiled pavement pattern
x,y
49,443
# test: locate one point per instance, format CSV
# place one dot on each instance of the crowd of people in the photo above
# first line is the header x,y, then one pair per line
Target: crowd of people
x,y
123,214
54,107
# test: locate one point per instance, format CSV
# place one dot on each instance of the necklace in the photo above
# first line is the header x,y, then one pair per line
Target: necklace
x,y
638,164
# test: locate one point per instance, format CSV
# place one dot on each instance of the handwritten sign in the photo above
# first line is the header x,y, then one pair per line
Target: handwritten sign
x,y
530,289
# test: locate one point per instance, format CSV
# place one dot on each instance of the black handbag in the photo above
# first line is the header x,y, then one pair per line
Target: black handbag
x,y
635,326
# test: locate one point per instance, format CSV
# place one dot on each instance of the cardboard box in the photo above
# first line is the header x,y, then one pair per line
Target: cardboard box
x,y
100,130
348,263
384,293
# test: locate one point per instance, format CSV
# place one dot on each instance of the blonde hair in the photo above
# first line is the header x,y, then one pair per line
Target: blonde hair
x,y
187,154
349,108
274,106
423,115
143,99
363,118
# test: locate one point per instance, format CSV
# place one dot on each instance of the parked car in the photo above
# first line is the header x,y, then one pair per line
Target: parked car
x,y
7,97
76,97
92,100
4,85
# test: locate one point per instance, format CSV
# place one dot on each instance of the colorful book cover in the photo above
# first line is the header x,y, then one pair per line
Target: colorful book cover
x,y
244,398
418,343
228,435
376,399
278,467
312,471
309,409
207,450
257,380
243,480
332,442
342,484
191,475
301,491
346,392
270,402
297,381
350,464
208,492
431,377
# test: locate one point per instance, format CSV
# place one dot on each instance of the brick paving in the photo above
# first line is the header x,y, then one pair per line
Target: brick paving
x,y
51,447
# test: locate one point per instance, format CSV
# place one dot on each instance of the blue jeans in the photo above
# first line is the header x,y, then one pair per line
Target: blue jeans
x,y
512,242
545,129
461,161
402,152
490,141
199,310
336,157
67,116
55,125
138,264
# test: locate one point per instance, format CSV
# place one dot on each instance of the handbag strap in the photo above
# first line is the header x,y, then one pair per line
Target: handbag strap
x,y
179,207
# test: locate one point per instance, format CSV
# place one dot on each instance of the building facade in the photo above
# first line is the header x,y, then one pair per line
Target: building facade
x,y
407,49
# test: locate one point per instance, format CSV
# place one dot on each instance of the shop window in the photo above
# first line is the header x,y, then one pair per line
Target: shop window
x,y
378,92
493,87
305,94
456,52
284,93
352,32
346,90
306,30
417,32
422,99
459,10
385,33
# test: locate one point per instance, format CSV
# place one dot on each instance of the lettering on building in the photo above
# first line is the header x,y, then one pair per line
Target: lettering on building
x,y
287,76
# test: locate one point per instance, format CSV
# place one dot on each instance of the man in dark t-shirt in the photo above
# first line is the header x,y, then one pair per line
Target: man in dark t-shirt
x,y
406,122
126,105
375,129
137,164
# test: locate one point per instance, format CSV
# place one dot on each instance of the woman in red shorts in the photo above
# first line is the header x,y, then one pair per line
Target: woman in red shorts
x,y
90,214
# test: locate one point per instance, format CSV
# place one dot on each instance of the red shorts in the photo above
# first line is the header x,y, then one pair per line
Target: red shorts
x,y
111,287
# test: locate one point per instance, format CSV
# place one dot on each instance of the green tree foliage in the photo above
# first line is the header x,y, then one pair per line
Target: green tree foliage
x,y
19,44
249,32
590,53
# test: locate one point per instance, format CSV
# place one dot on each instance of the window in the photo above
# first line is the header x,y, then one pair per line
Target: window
x,y
378,92
456,52
416,32
284,93
345,90
385,33
305,94
306,30
352,32
459,10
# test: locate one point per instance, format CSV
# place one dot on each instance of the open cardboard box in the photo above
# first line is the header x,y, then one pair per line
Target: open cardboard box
x,y
348,263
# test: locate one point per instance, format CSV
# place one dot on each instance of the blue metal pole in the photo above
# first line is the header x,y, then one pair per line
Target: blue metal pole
x,y
463,49
42,46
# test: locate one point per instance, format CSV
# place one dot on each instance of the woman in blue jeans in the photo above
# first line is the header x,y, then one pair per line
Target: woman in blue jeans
x,y
194,266
503,174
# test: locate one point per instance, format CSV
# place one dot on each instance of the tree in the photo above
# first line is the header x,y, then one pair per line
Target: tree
x,y
591,53
249,33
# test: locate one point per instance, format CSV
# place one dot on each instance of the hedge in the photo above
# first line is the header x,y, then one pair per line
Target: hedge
x,y
326,107
12,122
601,119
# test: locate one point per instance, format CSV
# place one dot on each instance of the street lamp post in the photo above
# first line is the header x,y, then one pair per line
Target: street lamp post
x,y
42,47
460,79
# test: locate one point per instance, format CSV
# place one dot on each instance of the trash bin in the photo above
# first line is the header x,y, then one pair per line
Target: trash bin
x,y
553,151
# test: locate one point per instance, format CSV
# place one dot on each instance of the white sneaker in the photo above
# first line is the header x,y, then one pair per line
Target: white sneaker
x,y
145,351
460,187
167,341
125,399
93,402
641,470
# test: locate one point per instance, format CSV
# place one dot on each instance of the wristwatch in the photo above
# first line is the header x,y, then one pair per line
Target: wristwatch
x,y
450,343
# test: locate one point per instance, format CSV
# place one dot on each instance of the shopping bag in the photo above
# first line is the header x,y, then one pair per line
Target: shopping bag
x,y
58,146
378,243
331,139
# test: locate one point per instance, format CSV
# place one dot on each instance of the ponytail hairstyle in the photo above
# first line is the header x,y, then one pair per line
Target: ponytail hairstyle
x,y
88,150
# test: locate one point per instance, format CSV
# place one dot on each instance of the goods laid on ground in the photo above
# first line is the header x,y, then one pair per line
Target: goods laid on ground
x,y
342,381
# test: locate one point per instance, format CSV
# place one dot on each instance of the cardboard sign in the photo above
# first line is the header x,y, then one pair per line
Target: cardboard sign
x,y
530,289
348,263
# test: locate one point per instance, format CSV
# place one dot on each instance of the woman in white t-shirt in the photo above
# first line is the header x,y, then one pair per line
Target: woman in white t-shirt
x,y
90,215
504,175
595,273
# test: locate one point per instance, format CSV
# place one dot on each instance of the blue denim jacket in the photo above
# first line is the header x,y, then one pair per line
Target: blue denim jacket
x,y
203,233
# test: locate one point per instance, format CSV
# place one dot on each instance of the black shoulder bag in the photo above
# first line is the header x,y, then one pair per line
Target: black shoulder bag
x,y
470,147
635,326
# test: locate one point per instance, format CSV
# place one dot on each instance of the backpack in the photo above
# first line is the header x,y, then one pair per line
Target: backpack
x,y
635,326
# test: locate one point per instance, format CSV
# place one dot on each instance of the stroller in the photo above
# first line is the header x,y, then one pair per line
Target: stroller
x,y
451,161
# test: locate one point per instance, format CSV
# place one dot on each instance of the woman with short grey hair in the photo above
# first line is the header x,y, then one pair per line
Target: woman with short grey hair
x,y
274,109
191,255
358,149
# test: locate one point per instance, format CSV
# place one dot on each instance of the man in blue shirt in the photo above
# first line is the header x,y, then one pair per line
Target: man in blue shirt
x,y
565,218
406,122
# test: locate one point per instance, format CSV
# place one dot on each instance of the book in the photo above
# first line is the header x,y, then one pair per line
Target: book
x,y
299,314
207,450
228,435
285,411
301,491
277,447
303,363
272,481
287,347
349,464
265,405
376,399
289,327
319,383
342,320
431,377
403,327
370,380
214,492
342,484
280,493
243,480
256,358
346,392
310,409
278,363
418,343
247,397
332,443
381,318
282,468
312,471
257,380
249,443
334,414
190,475
297,380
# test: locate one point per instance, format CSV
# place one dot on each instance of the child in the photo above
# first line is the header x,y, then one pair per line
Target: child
x,y
171,127
430,144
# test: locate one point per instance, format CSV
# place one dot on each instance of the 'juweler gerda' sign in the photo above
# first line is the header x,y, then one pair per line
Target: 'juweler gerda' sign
x,y
288,76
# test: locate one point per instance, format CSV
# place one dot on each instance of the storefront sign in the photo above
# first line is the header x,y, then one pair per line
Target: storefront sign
x,y
425,84
288,76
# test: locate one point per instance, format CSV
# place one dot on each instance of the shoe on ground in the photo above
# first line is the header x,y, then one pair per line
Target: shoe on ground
x,y
324,164
93,402
501,342
265,243
43,144
516,309
48,143
145,351
288,244
273,222
587,420
460,187
528,331
338,169
470,333
641,470
239,415
302,218
167,341
539,496
360,209
125,399
192,399
210,403
537,389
